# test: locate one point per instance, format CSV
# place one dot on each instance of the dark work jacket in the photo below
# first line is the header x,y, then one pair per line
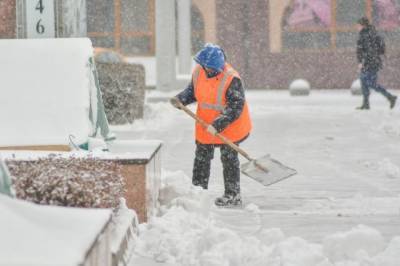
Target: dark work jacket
x,y
367,50
235,99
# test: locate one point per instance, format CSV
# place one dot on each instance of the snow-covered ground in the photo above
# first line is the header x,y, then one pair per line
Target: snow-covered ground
x,y
342,208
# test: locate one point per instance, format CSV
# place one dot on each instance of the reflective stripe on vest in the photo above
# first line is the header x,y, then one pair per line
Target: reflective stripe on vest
x,y
220,94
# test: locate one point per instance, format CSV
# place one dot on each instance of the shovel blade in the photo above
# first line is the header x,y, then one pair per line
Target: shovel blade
x,y
266,170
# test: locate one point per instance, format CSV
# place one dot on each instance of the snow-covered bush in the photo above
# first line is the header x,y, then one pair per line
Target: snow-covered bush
x,y
123,91
299,87
73,182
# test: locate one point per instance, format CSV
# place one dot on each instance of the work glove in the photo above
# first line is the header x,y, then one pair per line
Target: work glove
x,y
175,102
210,129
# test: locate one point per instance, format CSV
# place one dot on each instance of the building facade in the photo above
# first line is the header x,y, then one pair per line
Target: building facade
x,y
270,42
128,26
274,42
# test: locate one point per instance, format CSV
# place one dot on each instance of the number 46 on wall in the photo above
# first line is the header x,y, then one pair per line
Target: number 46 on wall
x,y
40,18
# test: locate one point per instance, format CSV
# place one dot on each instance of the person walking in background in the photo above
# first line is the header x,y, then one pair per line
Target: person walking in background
x,y
370,48
221,103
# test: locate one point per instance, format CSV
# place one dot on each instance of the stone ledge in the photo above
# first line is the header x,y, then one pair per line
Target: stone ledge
x,y
124,229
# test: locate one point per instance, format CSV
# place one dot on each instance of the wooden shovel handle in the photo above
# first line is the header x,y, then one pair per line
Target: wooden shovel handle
x,y
221,137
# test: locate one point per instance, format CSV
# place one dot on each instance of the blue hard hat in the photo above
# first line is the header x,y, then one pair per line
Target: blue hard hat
x,y
211,56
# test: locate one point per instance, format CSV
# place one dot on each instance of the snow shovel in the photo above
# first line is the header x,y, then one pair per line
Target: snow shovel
x,y
265,170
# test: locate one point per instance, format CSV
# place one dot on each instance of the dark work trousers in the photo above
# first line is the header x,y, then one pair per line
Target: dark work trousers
x,y
230,162
369,80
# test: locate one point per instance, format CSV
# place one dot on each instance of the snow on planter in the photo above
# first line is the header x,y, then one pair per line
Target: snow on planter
x,y
34,234
299,87
356,87
49,89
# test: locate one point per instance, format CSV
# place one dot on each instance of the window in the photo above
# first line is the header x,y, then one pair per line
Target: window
x,y
386,16
137,27
7,19
128,26
124,25
100,23
330,24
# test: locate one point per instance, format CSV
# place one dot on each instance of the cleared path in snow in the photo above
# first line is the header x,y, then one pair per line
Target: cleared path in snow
x,y
348,162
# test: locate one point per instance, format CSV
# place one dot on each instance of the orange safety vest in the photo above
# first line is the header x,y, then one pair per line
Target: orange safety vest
x,y
211,101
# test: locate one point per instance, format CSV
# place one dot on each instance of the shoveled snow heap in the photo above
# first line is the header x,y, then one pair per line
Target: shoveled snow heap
x,y
342,209
188,232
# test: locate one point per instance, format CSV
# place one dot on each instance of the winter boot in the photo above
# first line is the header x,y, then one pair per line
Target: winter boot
x,y
365,104
392,100
363,107
229,201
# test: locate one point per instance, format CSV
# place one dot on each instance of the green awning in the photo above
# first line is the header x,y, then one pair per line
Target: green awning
x,y
97,114
5,180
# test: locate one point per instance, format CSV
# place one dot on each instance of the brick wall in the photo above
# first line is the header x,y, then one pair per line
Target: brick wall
x,y
7,19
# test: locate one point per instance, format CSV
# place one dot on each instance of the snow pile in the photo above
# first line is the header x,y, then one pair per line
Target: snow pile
x,y
188,232
74,182
253,208
177,191
391,127
391,255
360,242
362,246
270,236
386,167
389,168
181,237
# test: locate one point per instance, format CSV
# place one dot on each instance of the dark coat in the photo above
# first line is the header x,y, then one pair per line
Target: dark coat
x,y
367,50
235,99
